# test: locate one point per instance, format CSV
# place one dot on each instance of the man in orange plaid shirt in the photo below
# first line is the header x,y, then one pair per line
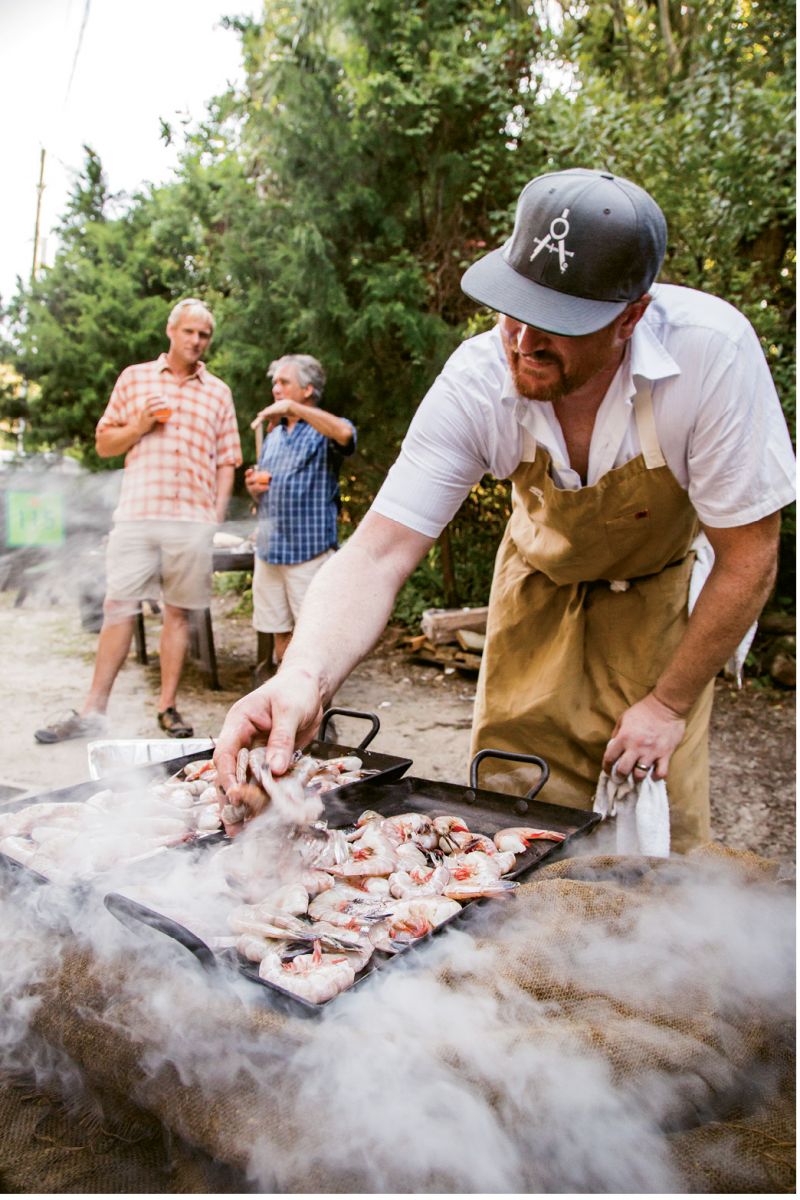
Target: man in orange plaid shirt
x,y
175,423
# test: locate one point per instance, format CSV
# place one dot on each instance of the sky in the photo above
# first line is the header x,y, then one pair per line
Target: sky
x,y
100,72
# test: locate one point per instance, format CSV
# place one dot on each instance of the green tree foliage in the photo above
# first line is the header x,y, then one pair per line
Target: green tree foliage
x,y
373,145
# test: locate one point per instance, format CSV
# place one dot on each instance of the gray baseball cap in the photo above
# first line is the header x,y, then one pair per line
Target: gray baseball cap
x,y
585,243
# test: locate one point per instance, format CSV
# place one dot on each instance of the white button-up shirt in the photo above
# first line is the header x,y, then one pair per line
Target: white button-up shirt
x,y
718,419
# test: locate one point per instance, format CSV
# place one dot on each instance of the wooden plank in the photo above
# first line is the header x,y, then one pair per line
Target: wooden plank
x,y
440,624
414,643
434,656
465,661
468,639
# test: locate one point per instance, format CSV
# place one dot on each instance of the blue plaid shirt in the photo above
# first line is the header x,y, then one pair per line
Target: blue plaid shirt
x,y
297,515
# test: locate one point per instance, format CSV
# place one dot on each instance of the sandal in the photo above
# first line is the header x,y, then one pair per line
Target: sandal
x,y
173,724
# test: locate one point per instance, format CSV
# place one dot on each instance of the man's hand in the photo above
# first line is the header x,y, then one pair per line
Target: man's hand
x,y
273,413
255,483
285,712
645,736
147,416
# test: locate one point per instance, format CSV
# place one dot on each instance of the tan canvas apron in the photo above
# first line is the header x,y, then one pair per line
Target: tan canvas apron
x,y
566,653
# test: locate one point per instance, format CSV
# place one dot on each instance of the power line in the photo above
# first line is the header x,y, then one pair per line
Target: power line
x,y
78,48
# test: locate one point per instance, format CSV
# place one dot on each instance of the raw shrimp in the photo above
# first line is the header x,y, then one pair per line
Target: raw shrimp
x,y
323,854
253,919
23,820
346,763
409,855
349,908
374,885
316,881
506,860
255,948
451,831
411,827
419,881
198,769
411,920
475,841
316,976
292,898
372,854
367,817
474,874
207,819
518,838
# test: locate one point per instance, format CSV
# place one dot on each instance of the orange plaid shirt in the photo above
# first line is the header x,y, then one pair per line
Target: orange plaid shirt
x,y
170,473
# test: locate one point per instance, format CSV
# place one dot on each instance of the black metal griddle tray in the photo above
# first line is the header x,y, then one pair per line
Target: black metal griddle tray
x,y
484,811
386,767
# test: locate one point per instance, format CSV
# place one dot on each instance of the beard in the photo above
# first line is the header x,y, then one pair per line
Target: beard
x,y
536,389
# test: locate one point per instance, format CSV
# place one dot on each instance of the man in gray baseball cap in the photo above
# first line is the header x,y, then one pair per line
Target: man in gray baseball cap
x,y
649,460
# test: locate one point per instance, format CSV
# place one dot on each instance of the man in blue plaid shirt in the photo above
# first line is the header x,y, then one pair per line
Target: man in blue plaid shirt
x,y
296,488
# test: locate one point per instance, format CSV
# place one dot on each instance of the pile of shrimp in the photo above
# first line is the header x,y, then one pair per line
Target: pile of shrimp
x,y
307,776
76,840
379,886
71,840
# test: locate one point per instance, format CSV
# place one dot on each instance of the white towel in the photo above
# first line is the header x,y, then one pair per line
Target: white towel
x,y
641,811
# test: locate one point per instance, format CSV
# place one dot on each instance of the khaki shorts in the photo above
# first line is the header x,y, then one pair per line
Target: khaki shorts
x,y
279,590
171,559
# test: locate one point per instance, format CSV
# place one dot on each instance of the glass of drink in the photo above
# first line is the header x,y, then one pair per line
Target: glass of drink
x,y
261,477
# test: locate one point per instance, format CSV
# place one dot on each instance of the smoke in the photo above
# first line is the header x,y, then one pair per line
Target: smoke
x,y
550,1044
56,517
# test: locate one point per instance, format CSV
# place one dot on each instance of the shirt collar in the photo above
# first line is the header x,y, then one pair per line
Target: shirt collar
x,y
648,358
197,373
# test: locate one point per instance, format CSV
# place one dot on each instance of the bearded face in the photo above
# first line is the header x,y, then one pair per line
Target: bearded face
x,y
547,366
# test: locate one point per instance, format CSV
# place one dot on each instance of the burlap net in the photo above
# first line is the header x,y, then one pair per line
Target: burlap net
x,y
746,1144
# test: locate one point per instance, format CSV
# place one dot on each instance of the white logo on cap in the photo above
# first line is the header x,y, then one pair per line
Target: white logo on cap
x,y
559,228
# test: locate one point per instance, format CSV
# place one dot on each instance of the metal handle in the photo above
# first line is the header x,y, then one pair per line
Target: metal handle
x,y
511,756
351,712
133,915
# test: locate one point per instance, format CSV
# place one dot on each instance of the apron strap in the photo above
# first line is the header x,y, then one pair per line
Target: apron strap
x,y
646,426
529,445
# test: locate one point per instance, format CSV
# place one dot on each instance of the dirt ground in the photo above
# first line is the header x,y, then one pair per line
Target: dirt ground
x,y
425,715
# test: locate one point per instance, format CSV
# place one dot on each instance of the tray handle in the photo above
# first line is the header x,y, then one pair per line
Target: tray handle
x,y
511,756
351,712
133,915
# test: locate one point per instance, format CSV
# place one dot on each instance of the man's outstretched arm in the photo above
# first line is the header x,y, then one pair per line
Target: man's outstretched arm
x,y
344,613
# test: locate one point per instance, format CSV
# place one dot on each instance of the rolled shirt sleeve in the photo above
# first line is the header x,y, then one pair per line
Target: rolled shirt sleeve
x,y
454,439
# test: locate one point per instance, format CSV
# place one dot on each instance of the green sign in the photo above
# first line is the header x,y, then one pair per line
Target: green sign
x,y
34,519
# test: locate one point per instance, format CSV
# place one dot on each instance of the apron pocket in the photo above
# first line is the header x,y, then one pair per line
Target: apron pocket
x,y
628,533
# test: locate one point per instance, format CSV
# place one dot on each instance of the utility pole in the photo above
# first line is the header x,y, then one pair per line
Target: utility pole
x,y
39,190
